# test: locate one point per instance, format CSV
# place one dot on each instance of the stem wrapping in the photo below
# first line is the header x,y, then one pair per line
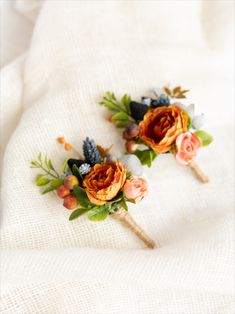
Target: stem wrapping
x,y
198,172
123,216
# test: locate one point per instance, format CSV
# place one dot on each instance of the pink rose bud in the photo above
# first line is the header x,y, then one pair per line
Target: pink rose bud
x,y
187,145
135,189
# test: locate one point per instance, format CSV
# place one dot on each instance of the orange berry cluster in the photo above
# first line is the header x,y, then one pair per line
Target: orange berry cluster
x,y
67,146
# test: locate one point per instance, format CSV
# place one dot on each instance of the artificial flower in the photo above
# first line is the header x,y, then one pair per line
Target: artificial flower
x,y
104,181
135,189
186,147
161,126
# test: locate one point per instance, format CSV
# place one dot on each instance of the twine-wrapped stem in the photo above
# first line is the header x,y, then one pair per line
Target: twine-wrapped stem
x,y
123,216
198,172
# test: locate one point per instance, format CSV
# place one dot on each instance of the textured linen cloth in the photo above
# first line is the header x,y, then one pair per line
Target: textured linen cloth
x,y
80,50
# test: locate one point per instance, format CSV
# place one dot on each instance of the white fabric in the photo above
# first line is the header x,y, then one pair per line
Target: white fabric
x,y
79,50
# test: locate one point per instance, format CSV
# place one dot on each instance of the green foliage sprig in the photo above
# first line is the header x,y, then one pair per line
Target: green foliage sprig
x,y
122,115
50,178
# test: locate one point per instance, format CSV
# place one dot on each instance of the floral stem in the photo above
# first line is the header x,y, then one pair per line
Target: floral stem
x,y
49,173
123,216
198,172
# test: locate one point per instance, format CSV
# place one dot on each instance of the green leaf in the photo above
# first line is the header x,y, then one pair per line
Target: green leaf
x,y
78,212
41,180
40,157
118,198
56,183
120,116
189,124
128,175
131,200
50,165
110,105
146,156
65,164
53,185
122,124
204,137
81,196
99,213
172,149
77,173
126,99
123,204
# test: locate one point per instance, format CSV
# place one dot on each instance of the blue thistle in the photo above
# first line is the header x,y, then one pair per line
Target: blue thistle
x,y
91,152
162,100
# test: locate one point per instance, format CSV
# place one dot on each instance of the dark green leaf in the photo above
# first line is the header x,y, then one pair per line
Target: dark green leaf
x,y
205,138
123,204
128,175
78,212
146,156
99,213
130,200
41,180
77,173
81,196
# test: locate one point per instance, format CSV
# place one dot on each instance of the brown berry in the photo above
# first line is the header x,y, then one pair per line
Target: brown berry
x,y
62,191
70,202
131,146
70,182
131,131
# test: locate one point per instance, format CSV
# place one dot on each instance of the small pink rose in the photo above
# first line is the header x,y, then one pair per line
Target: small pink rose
x,y
187,145
135,189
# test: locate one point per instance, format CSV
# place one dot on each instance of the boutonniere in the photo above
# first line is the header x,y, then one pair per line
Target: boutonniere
x,y
95,183
162,124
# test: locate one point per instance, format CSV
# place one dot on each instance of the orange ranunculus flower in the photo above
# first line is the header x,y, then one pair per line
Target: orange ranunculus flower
x,y
161,126
104,181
